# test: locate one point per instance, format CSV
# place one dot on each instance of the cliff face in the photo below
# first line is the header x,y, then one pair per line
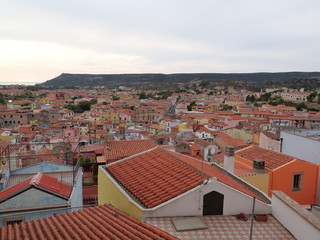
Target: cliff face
x,y
113,80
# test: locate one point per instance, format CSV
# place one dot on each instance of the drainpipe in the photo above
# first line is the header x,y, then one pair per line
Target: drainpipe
x,y
281,142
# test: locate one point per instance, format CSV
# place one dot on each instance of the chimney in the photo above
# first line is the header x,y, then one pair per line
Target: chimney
x,y
258,166
229,159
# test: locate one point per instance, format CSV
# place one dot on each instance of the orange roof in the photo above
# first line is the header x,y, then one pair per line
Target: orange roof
x,y
99,222
39,181
155,176
231,141
222,175
272,159
120,149
45,151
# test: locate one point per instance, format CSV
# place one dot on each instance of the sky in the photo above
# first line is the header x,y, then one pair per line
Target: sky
x,y
40,39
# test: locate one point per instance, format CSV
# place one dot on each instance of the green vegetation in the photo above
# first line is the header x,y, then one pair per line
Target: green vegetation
x,y
227,107
190,106
303,79
204,83
312,96
2,100
115,98
251,98
82,106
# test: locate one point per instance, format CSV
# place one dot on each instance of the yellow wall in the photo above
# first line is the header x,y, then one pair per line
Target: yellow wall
x,y
109,193
256,138
239,134
260,181
201,121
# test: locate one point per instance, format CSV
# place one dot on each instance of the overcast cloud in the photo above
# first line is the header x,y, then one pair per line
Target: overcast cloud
x,y
41,39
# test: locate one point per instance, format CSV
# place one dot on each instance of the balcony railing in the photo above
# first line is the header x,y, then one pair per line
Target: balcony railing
x,y
12,218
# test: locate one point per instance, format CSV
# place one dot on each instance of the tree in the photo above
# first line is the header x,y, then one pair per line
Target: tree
x,y
84,106
2,101
82,160
190,106
312,96
204,83
301,106
226,107
73,108
250,98
265,97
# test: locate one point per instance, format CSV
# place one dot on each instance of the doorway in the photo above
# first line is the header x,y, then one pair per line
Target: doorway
x,y
213,203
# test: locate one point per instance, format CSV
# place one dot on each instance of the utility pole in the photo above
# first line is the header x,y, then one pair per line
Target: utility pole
x,y
252,216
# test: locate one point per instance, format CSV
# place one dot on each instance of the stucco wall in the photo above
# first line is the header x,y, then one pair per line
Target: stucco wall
x,y
108,192
259,181
191,203
293,145
76,198
283,180
239,134
293,221
268,143
31,198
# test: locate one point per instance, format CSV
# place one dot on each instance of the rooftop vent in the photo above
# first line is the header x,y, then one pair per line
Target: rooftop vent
x,y
258,166
230,151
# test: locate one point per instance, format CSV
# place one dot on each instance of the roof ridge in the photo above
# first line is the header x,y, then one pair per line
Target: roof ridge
x,y
185,164
35,180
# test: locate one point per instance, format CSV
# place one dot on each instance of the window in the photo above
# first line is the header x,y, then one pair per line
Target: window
x,y
12,221
297,179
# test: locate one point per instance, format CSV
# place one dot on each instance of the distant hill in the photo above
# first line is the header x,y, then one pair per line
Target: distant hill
x,y
136,80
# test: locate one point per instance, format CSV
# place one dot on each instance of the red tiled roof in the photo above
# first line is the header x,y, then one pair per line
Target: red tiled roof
x,y
202,143
45,151
272,159
214,171
271,135
230,140
39,181
155,176
121,149
93,223
89,192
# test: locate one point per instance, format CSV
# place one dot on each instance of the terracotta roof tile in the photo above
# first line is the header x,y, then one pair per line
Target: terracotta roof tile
x,y
221,175
272,159
100,222
40,181
155,176
120,149
231,141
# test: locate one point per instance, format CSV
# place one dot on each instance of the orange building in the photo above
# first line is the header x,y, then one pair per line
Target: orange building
x,y
295,177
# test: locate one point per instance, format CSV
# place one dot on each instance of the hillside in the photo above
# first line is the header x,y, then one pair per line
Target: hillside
x,y
113,80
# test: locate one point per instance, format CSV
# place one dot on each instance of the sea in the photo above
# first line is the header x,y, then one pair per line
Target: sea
x,y
18,83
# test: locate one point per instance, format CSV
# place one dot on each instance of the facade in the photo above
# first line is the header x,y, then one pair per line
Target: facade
x,y
161,183
303,144
13,118
270,141
295,96
295,177
44,186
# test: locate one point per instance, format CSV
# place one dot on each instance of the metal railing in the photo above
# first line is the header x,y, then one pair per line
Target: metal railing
x,y
12,218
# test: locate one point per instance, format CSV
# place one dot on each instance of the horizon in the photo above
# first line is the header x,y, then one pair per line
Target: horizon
x,y
29,83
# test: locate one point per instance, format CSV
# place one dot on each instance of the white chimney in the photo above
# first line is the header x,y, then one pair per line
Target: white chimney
x,y
229,159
